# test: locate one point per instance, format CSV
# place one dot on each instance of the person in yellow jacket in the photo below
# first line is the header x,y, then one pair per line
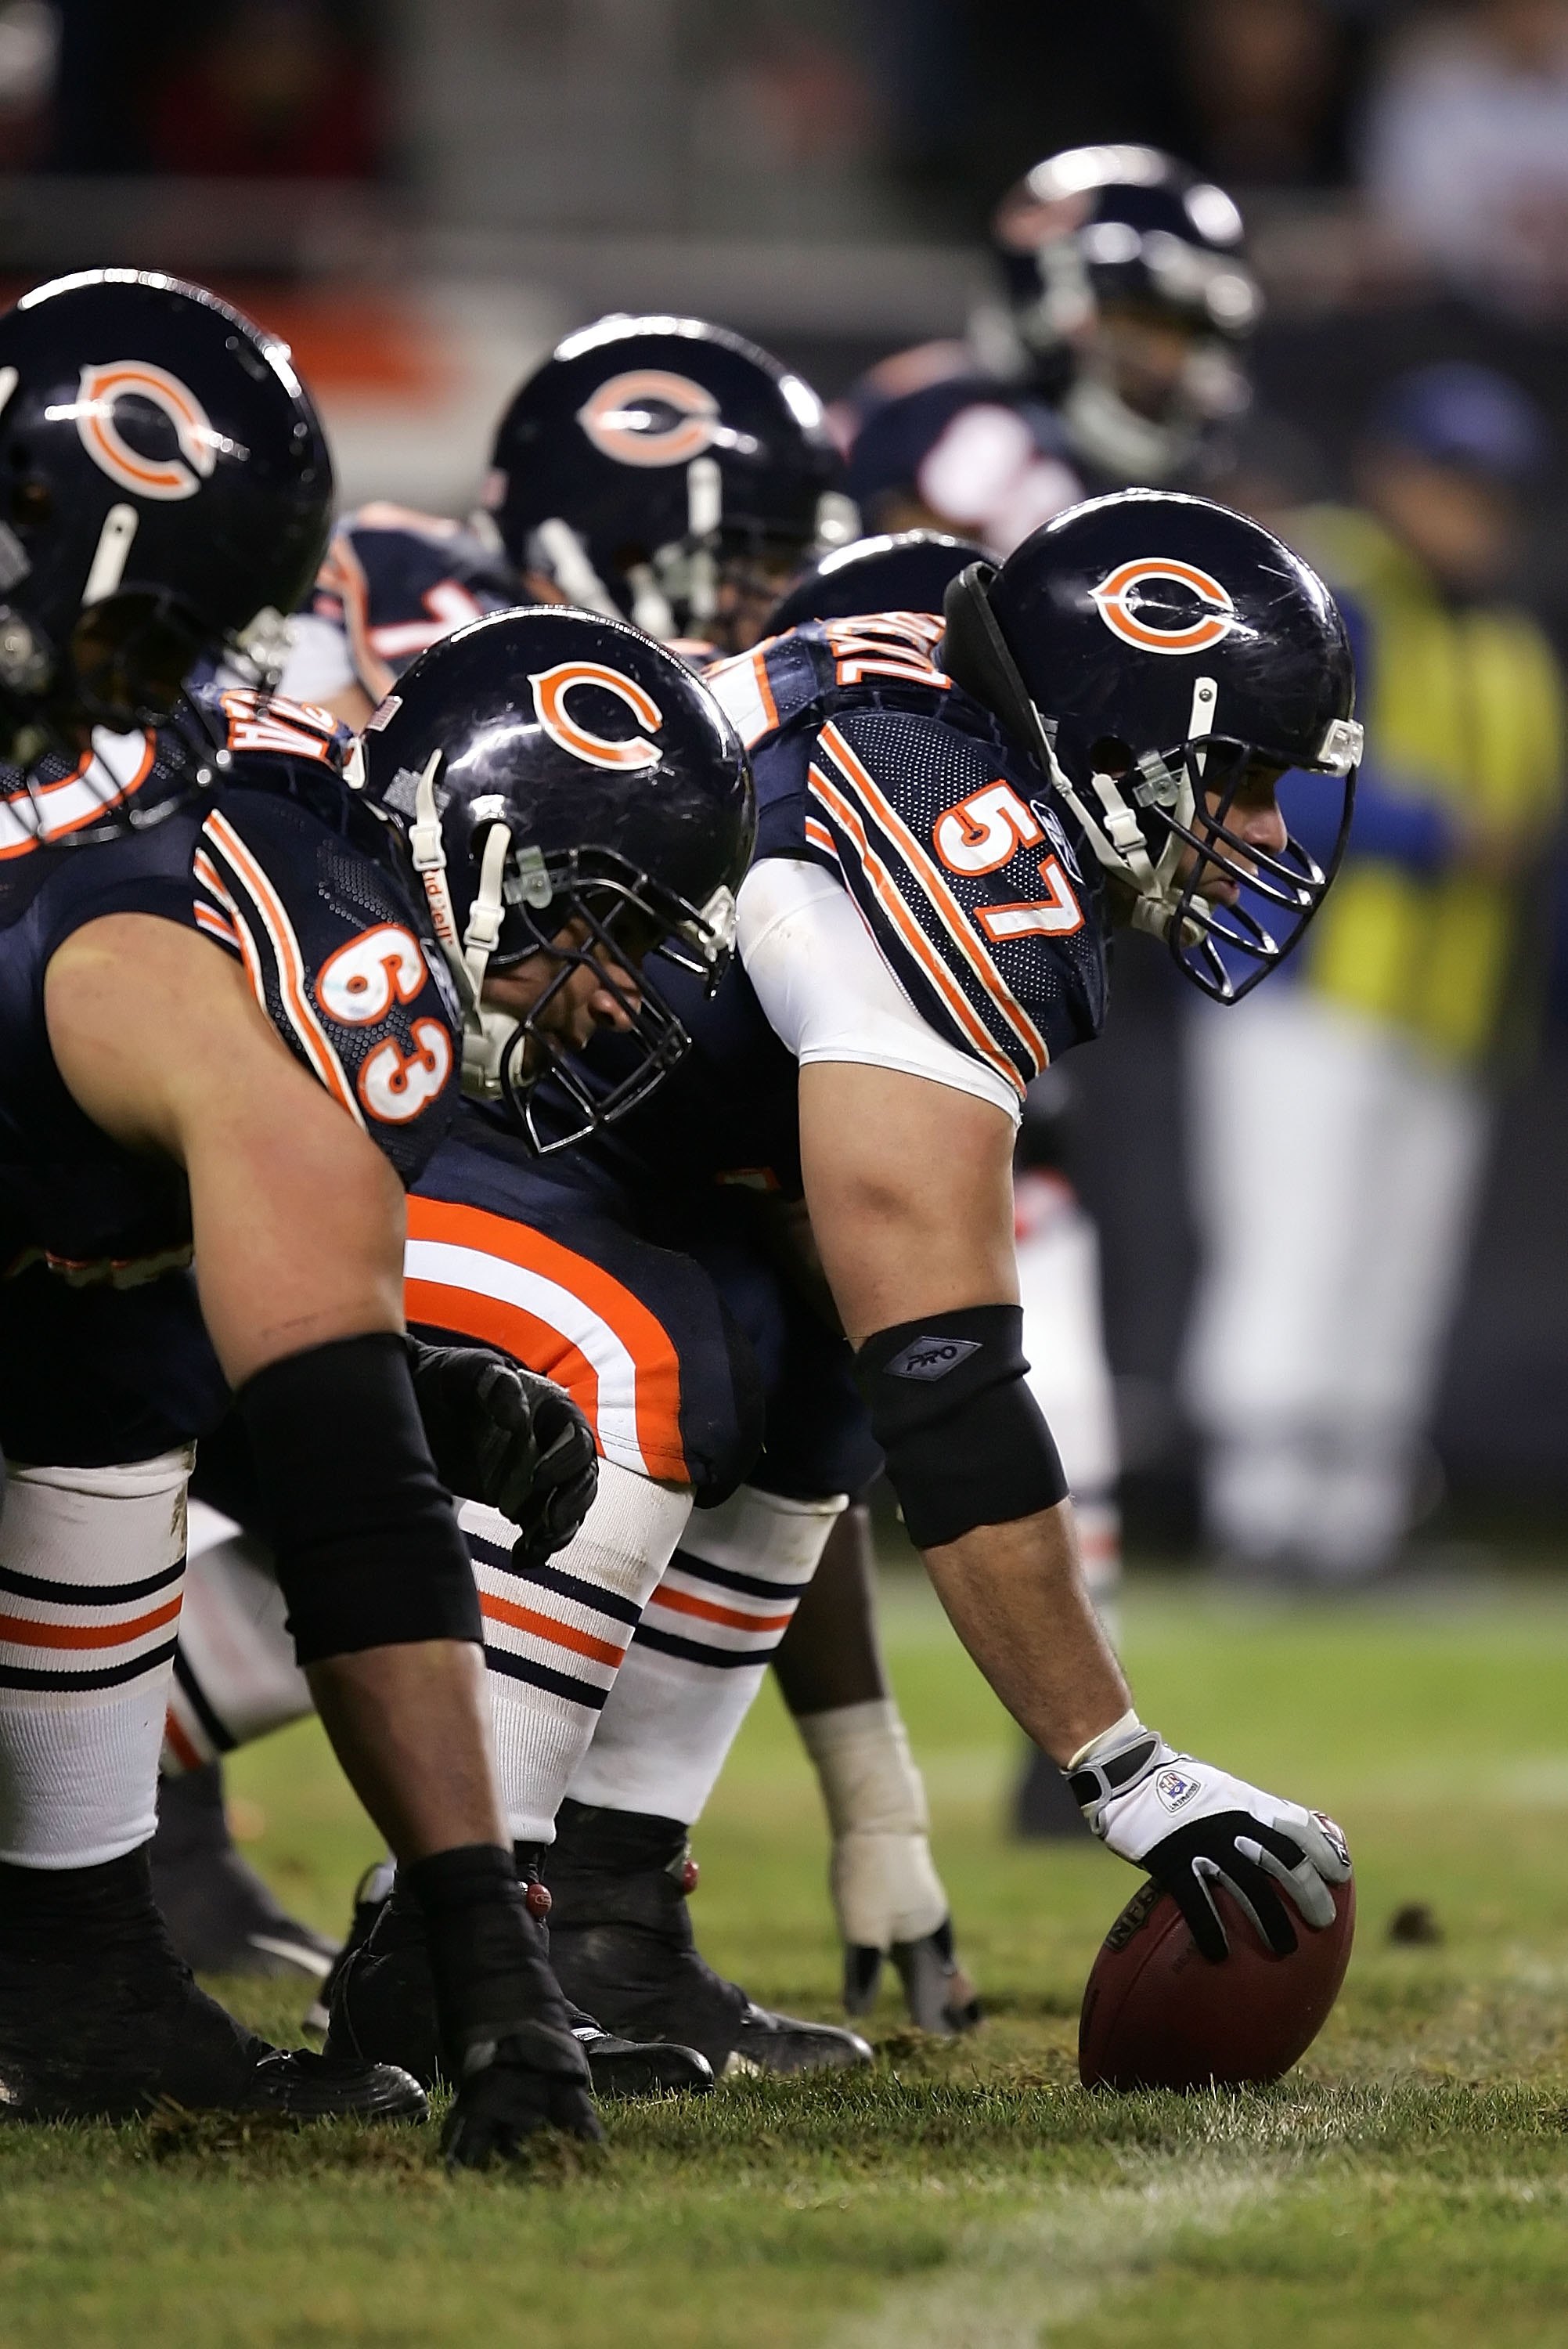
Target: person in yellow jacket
x,y
1340,1124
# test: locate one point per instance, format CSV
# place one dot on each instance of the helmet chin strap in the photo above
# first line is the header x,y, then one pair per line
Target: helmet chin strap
x,y
1115,834
486,1034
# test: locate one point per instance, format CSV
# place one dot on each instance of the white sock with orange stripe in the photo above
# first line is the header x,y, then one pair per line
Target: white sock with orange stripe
x,y
235,1677
555,1635
699,1655
92,1561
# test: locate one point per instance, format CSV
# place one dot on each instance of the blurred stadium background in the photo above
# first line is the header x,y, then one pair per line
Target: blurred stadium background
x,y
421,195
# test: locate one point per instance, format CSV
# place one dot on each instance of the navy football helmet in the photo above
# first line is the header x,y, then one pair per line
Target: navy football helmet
x,y
901,570
1097,228
164,484
1150,649
548,767
650,463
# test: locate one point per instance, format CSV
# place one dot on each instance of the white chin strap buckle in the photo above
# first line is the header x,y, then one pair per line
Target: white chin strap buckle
x,y
486,1034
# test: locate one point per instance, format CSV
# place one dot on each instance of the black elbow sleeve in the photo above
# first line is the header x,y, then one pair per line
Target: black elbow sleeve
x,y
369,1551
966,1441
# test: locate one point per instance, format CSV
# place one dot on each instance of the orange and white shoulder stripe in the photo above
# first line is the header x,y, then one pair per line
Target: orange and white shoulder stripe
x,y
945,903
225,926
116,765
343,575
251,879
916,944
481,1274
744,693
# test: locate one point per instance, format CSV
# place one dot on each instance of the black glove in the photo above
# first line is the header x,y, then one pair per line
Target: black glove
x,y
506,2036
506,1436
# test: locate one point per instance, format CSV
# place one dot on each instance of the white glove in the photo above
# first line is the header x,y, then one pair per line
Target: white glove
x,y
1188,1825
887,1896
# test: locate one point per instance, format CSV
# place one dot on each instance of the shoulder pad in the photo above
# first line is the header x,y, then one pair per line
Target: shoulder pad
x,y
265,724
809,673
396,582
967,880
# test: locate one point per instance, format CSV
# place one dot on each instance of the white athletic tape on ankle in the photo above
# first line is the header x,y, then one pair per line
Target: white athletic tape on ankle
x,y
867,1773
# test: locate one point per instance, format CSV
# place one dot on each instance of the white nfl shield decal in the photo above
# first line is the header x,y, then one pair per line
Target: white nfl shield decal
x,y
1176,1786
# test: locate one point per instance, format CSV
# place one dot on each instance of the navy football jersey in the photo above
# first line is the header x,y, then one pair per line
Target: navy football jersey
x,y
102,1355
988,459
394,582
869,761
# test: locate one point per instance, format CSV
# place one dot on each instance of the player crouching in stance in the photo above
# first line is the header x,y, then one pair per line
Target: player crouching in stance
x,y
226,1021
504,751
951,816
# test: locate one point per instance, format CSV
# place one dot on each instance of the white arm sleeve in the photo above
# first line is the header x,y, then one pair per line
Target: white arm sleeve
x,y
318,666
826,990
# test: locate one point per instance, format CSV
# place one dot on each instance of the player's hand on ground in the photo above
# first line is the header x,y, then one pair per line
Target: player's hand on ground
x,y
506,1436
506,2037
889,1903
534,2079
1192,1825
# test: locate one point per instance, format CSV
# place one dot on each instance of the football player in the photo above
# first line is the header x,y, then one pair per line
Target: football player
x,y
1111,358
605,464
231,1019
657,469
952,814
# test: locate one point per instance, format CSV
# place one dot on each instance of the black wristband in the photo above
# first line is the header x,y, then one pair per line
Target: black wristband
x,y
967,1443
366,1545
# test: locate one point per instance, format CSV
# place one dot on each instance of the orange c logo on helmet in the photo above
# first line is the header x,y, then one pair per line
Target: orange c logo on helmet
x,y
148,476
1119,604
619,421
550,687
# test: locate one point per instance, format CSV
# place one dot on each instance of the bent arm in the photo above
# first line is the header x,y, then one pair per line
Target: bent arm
x,y
909,1188
299,1226
297,1216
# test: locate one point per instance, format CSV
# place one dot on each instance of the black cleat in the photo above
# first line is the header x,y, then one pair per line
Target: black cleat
x,y
221,1918
383,2009
631,2068
371,1895
100,2019
622,1945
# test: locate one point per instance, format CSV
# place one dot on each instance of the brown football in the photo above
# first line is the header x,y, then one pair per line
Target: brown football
x,y
1158,2014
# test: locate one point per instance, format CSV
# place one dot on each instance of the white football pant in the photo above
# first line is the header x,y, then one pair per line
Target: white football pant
x,y
1337,1172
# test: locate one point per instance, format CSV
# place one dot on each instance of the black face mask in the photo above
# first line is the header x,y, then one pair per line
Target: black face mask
x,y
550,1093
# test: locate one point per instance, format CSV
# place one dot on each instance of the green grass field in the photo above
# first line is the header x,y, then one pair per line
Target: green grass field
x,y
1408,2185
